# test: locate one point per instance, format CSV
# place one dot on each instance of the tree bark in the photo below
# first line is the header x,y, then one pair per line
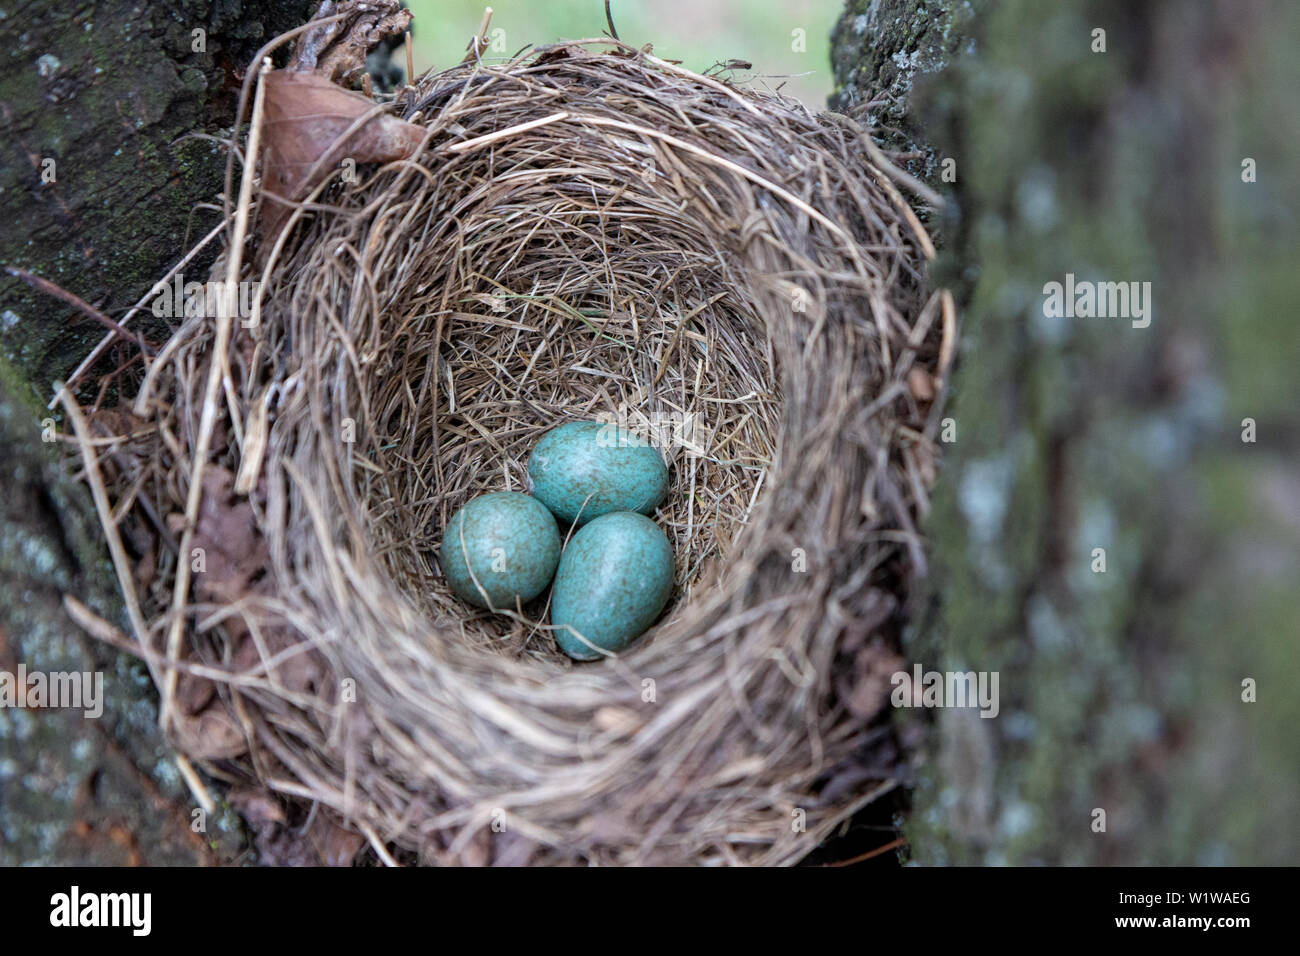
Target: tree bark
x,y
1084,443
100,175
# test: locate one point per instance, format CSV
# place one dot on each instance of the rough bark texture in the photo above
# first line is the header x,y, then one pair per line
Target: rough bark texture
x,y
880,50
1120,690
77,789
107,90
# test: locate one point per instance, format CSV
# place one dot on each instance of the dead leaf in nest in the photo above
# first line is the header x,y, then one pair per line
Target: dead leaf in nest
x,y
278,843
210,735
334,844
257,807
306,127
234,552
235,561
114,421
559,53
193,694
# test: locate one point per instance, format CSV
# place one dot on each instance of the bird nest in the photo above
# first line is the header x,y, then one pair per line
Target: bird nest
x,y
582,232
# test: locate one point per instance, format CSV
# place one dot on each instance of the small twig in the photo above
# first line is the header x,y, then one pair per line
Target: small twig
x,y
78,303
207,422
195,784
609,18
378,845
486,138
891,845
922,236
949,342
98,628
479,41
121,565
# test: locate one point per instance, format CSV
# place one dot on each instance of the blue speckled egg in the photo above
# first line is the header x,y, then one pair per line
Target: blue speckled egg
x,y
614,578
510,542
607,468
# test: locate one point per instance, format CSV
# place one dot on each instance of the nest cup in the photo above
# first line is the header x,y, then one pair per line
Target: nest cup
x,y
715,269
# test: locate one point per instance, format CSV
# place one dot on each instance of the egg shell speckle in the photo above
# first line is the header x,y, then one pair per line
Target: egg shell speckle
x,y
511,543
582,470
614,578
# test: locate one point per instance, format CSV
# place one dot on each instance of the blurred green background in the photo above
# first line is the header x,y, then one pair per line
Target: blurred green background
x,y
700,33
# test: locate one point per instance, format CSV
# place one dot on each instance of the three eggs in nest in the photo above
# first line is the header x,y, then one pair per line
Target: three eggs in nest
x,y
612,579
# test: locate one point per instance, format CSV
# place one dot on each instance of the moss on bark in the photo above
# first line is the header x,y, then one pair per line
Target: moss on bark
x,y
98,790
1120,691
99,175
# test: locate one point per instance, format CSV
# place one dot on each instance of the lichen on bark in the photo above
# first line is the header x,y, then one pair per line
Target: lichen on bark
x,y
100,175
97,790
1121,691
880,50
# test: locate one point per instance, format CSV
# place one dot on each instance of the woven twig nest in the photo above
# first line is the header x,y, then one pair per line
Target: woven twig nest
x,y
584,232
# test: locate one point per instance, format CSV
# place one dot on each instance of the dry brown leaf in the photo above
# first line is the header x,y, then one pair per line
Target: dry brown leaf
x,y
257,807
337,845
194,694
235,565
306,129
234,552
210,735
276,842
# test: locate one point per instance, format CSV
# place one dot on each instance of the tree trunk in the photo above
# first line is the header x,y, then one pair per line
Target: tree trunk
x,y
99,177
1085,444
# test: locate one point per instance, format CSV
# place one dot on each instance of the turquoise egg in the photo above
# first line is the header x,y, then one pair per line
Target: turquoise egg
x,y
614,578
595,469
509,541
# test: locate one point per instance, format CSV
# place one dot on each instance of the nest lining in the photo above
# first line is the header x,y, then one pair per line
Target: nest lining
x,y
672,250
